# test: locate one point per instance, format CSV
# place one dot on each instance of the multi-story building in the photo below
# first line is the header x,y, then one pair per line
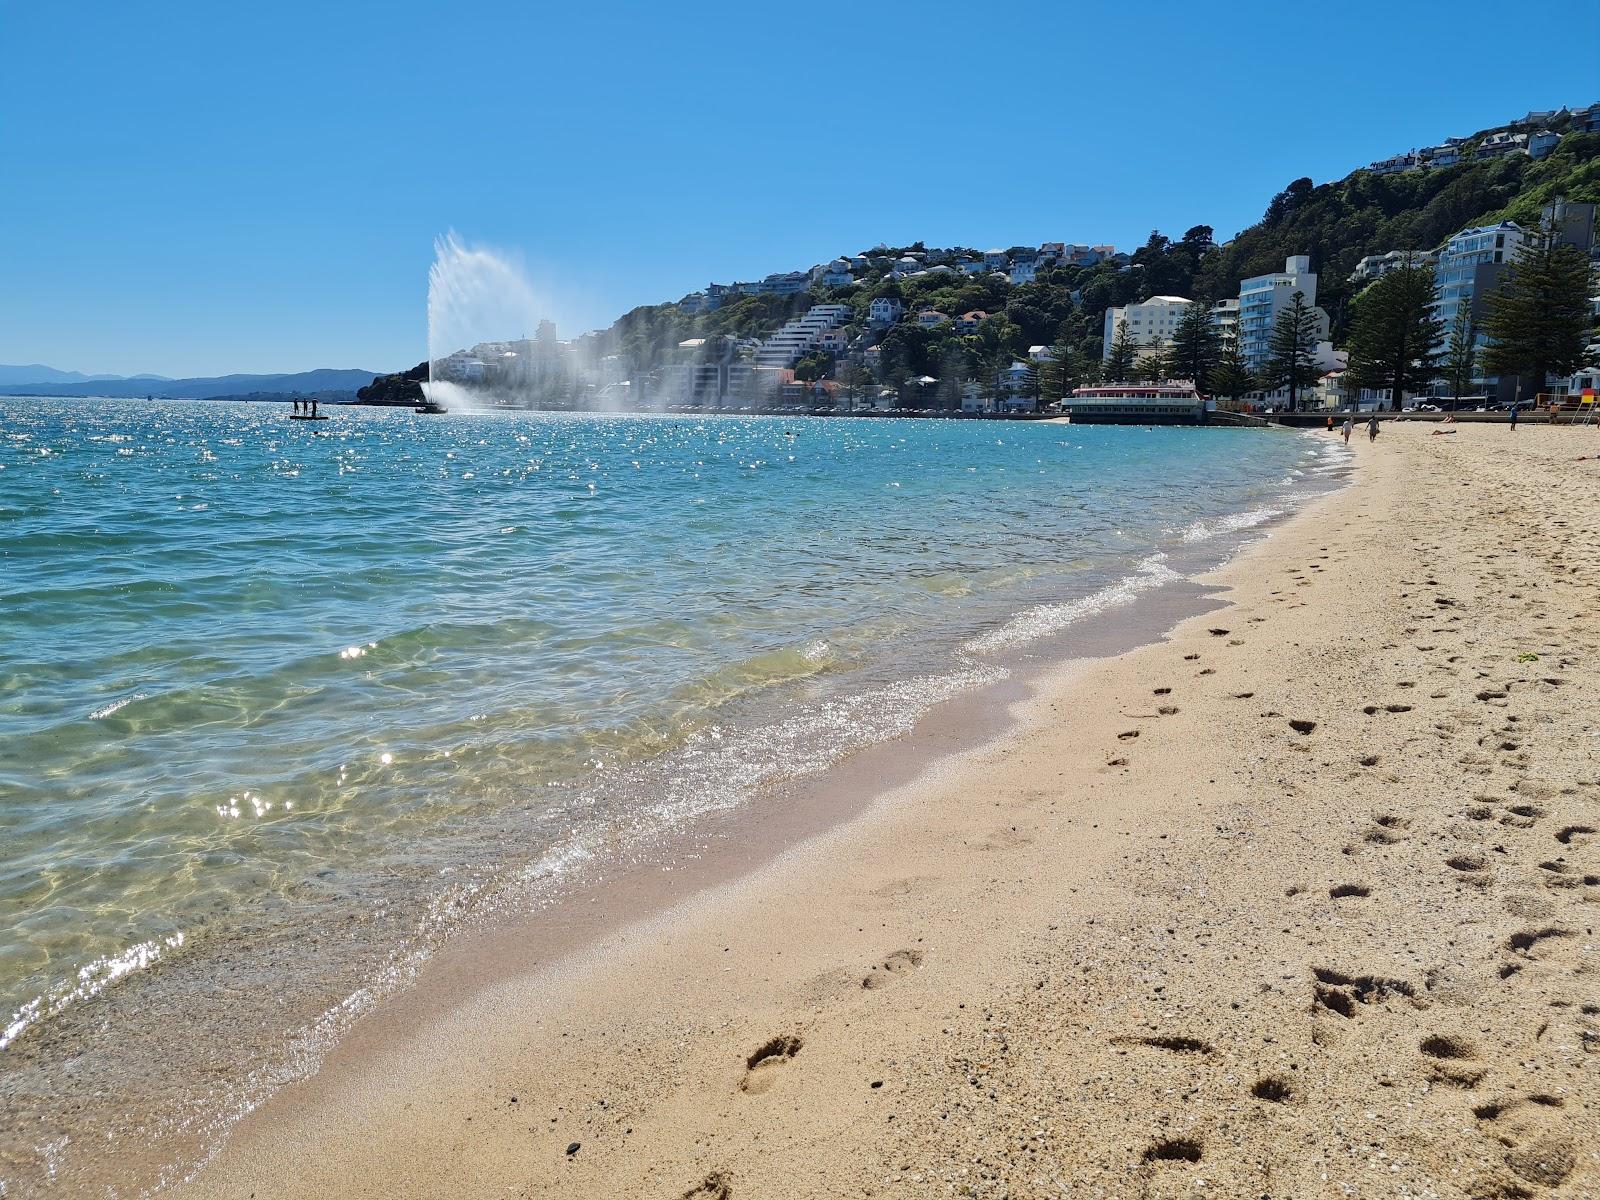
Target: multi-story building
x,y
1023,272
1225,318
1374,265
1504,142
798,336
1470,265
885,310
1396,164
1150,323
835,340
835,274
1473,261
1263,297
1541,143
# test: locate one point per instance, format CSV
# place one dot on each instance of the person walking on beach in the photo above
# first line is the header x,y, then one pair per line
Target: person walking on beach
x,y
1372,428
1349,428
1513,417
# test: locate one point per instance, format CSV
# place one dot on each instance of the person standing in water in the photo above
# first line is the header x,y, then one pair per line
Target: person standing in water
x,y
1372,428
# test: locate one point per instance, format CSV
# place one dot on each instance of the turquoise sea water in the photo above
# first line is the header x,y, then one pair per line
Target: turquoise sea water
x,y
253,670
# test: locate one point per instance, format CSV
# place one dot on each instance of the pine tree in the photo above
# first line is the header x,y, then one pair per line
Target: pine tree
x,y
1154,365
1394,334
1539,318
1231,377
1461,356
1196,346
1056,378
1119,363
1291,351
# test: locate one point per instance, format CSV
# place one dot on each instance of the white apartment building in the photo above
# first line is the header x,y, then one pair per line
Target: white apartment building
x,y
1374,265
1151,323
796,337
1225,318
1470,265
1023,272
1263,297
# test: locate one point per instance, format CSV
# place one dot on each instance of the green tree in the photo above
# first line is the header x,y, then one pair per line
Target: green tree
x,y
857,380
1154,364
1119,362
1539,318
1231,377
1196,345
1461,355
1394,335
1291,351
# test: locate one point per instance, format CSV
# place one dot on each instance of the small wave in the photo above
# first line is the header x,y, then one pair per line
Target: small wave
x,y
1202,531
101,714
1046,619
91,979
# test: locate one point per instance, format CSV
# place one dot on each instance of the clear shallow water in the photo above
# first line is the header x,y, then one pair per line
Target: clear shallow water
x,y
252,669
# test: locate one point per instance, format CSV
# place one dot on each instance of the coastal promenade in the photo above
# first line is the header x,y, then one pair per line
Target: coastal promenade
x,y
1299,901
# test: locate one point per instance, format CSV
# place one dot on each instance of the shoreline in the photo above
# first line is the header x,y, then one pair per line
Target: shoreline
x,y
658,876
1041,967
719,861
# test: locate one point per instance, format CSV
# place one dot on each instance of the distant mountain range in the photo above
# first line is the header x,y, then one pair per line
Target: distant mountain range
x,y
29,381
35,374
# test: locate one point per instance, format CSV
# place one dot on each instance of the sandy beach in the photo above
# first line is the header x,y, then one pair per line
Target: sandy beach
x,y
1298,901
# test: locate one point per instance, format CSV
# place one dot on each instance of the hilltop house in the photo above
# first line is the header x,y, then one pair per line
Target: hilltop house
x,y
928,318
1540,144
885,310
836,274
968,322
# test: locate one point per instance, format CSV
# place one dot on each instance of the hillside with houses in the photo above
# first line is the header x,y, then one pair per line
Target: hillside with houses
x,y
1011,329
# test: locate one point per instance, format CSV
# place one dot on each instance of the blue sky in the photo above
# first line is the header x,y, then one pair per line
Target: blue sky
x,y
191,188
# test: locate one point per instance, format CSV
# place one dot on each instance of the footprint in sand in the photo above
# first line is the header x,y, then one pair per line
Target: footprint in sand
x,y
899,963
1450,1060
1172,1043
715,1186
1275,1089
762,1067
1174,1150
1339,992
1349,890
1007,837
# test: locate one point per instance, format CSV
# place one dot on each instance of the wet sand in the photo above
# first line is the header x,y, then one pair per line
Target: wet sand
x,y
1300,901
